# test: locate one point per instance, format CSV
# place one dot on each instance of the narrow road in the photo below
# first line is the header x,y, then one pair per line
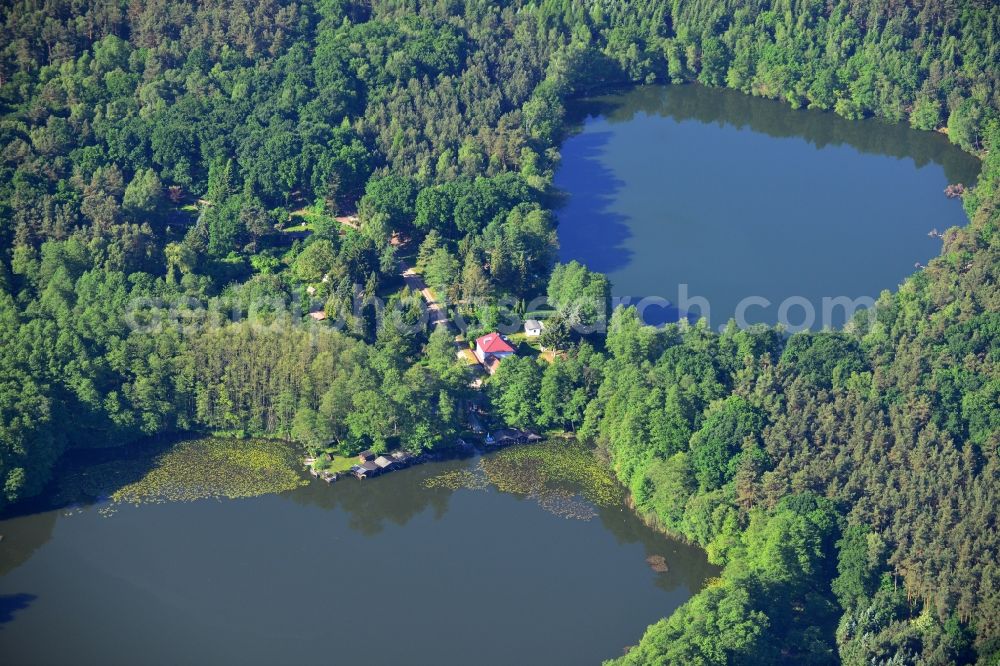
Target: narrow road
x,y
436,314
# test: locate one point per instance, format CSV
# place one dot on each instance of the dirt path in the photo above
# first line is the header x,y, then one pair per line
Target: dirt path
x,y
436,314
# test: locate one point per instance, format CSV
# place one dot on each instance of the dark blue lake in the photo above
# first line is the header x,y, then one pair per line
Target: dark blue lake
x,y
674,188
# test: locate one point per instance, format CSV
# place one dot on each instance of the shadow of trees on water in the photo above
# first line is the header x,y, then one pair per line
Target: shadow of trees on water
x,y
778,120
88,476
11,604
599,234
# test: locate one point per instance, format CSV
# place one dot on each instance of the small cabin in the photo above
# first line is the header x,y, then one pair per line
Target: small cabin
x,y
289,237
366,456
402,458
365,470
509,436
533,328
506,437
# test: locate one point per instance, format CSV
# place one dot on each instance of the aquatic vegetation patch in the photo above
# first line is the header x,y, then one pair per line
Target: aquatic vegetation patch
x,y
215,468
190,470
563,476
456,479
554,465
658,563
563,503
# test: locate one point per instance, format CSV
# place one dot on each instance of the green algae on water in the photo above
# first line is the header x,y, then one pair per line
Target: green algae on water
x,y
210,468
563,476
562,464
215,468
456,479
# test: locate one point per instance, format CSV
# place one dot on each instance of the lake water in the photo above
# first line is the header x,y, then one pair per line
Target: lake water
x,y
735,197
372,572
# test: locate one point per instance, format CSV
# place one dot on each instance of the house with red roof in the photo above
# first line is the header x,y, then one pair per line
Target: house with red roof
x,y
491,349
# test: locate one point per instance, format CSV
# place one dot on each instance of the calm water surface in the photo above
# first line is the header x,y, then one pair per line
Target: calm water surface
x,y
735,196
382,571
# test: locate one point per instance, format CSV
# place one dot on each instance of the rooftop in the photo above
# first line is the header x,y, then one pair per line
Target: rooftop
x,y
493,343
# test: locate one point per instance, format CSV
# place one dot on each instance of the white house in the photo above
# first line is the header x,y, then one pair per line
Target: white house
x,y
533,328
490,349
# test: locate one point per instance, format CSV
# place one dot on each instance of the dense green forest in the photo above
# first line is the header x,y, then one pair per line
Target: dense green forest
x,y
160,161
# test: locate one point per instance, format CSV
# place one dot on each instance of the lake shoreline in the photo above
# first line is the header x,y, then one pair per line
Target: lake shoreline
x,y
543,537
643,203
